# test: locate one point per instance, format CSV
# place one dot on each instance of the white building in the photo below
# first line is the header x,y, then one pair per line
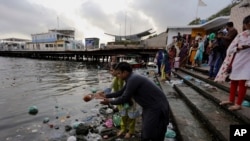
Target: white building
x,y
13,44
193,30
55,40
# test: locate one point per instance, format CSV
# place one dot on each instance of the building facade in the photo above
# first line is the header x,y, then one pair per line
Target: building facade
x,y
55,40
239,12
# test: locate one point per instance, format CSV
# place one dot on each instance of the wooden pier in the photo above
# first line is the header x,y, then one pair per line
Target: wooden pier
x,y
83,55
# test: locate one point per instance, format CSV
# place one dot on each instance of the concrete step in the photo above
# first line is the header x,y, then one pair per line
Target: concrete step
x,y
202,69
215,95
188,127
214,118
200,75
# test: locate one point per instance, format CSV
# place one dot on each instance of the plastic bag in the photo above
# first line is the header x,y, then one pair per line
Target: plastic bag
x,y
246,103
170,133
109,123
116,120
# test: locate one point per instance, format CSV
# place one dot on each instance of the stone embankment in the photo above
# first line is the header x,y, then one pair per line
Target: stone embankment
x,y
195,108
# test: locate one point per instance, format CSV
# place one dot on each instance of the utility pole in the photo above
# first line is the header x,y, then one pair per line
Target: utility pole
x,y
125,23
57,22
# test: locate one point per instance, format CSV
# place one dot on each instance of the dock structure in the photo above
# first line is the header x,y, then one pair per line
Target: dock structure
x,y
99,54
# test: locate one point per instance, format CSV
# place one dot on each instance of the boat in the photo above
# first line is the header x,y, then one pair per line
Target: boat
x,y
132,59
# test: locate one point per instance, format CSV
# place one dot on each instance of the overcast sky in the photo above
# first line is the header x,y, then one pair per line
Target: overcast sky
x,y
93,18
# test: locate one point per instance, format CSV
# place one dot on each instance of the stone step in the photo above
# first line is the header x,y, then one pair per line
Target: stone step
x,y
215,95
215,119
199,75
204,70
188,127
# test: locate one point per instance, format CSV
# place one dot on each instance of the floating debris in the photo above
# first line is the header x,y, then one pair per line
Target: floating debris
x,y
68,128
93,90
46,120
71,138
34,131
33,110
82,129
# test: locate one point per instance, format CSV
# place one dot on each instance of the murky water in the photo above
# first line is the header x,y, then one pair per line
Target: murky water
x,y
55,87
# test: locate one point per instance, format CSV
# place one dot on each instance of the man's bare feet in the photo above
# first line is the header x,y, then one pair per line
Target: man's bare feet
x,y
127,136
234,107
225,102
121,132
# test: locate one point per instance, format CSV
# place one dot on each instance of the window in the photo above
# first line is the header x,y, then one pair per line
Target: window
x,y
60,45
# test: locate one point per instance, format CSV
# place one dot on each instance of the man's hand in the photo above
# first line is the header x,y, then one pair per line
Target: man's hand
x,y
99,95
105,101
245,46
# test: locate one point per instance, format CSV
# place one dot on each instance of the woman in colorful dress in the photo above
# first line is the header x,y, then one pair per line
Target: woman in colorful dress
x,y
192,52
199,54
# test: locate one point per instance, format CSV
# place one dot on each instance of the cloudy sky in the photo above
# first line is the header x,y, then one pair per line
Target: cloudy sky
x,y
93,18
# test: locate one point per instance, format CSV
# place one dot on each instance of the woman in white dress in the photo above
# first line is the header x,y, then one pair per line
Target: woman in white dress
x,y
240,66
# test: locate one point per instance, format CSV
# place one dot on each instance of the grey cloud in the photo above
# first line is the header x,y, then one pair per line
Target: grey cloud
x,y
114,23
20,16
176,12
96,16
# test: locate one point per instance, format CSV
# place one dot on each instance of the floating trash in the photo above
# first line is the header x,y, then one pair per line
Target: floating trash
x,y
34,130
93,90
109,123
46,120
88,97
71,138
109,111
33,110
116,120
68,128
82,129
76,124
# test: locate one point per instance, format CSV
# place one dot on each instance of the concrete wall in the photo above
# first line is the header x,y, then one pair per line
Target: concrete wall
x,y
157,42
238,13
174,31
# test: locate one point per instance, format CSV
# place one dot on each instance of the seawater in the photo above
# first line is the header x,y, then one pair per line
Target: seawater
x,y
55,87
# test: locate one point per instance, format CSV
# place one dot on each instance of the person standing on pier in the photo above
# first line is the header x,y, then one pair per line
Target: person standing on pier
x,y
239,76
155,107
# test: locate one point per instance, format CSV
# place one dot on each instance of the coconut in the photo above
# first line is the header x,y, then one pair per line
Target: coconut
x,y
87,98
